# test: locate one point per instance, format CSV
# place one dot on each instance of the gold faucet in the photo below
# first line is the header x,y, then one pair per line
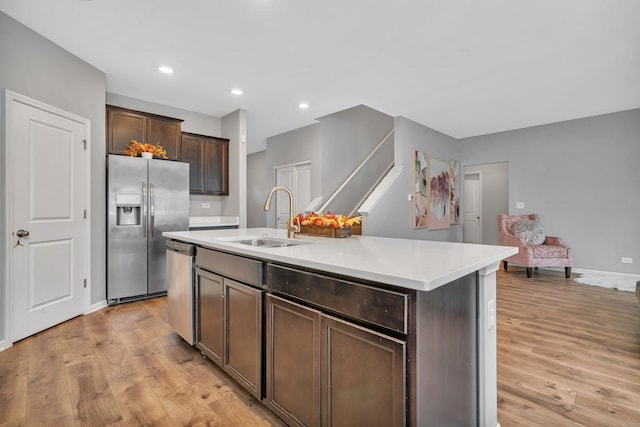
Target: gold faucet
x,y
292,228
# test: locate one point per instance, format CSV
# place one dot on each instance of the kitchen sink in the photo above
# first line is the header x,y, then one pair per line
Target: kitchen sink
x,y
270,242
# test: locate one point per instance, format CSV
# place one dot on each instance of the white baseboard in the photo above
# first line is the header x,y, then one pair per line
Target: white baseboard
x,y
605,279
98,306
3,345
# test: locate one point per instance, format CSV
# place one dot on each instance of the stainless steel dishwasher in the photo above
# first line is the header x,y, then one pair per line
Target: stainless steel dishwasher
x,y
181,289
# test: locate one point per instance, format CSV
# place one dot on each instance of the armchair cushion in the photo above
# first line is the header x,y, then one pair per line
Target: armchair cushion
x,y
530,231
547,251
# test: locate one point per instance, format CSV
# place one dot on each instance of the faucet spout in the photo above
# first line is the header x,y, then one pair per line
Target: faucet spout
x,y
292,228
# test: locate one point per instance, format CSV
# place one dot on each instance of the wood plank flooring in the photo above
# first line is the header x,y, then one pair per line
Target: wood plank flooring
x,y
568,355
120,366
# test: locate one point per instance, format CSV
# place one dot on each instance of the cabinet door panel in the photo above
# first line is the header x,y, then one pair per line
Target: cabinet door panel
x,y
293,361
123,126
243,352
363,376
192,154
210,315
166,133
216,165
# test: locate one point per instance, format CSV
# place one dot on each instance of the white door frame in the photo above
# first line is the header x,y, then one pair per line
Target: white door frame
x,y
9,98
479,173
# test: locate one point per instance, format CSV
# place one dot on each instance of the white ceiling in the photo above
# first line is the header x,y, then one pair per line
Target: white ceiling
x,y
464,68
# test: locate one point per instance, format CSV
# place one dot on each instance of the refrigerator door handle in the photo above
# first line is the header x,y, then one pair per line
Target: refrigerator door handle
x,y
144,209
152,208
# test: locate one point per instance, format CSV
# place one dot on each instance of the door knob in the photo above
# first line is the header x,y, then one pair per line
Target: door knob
x,y
22,233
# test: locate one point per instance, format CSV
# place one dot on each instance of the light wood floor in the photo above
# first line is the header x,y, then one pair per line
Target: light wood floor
x,y
568,354
119,366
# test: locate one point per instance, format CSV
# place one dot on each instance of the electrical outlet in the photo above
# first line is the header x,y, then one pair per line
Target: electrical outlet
x,y
626,260
519,205
491,314
206,205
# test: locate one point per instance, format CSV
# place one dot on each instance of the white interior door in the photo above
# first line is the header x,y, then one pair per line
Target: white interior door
x,y
302,176
48,195
296,178
472,220
284,178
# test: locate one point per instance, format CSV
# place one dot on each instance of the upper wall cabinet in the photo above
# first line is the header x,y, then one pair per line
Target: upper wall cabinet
x,y
124,125
208,159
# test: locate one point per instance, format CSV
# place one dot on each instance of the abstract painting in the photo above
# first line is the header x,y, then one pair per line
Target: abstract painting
x,y
439,199
454,187
419,190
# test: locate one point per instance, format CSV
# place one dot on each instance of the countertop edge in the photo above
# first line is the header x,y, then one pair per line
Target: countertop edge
x,y
277,255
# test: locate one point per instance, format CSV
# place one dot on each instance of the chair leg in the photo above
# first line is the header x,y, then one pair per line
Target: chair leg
x,y
504,264
567,272
529,272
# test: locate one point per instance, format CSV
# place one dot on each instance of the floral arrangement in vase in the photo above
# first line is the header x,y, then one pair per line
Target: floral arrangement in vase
x,y
145,150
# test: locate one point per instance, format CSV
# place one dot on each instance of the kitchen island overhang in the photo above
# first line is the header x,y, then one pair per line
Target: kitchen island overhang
x,y
423,269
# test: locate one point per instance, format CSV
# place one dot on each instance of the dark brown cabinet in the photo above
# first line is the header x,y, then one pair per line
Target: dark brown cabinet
x,y
210,335
123,125
293,361
363,376
243,332
229,324
321,370
208,159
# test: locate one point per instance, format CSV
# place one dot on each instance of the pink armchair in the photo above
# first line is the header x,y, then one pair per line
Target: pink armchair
x,y
552,253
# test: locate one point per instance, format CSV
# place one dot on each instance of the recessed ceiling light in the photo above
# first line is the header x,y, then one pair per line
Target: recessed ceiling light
x,y
303,105
165,69
236,91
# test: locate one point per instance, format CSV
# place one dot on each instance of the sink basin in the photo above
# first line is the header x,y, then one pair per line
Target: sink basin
x,y
270,242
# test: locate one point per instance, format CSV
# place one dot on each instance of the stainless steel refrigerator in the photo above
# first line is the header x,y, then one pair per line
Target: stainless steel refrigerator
x,y
145,198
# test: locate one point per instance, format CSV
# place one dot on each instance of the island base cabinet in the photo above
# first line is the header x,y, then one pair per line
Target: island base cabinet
x,y
293,362
210,315
229,328
363,376
243,321
321,370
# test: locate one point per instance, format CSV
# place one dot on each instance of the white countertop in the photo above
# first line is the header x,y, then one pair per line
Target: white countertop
x,y
422,265
213,221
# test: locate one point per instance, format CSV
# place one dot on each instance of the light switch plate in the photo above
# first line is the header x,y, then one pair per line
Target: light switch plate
x,y
206,205
491,314
519,205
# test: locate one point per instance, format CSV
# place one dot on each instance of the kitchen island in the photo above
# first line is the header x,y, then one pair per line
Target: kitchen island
x,y
361,329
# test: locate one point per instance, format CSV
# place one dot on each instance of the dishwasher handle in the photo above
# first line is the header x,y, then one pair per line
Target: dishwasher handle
x,y
181,247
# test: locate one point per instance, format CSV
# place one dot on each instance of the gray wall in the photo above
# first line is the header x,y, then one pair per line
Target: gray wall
x,y
348,137
581,177
257,189
495,197
234,127
35,67
299,145
194,122
334,146
392,216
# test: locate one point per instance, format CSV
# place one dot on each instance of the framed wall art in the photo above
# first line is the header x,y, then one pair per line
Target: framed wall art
x,y
439,198
419,189
454,187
